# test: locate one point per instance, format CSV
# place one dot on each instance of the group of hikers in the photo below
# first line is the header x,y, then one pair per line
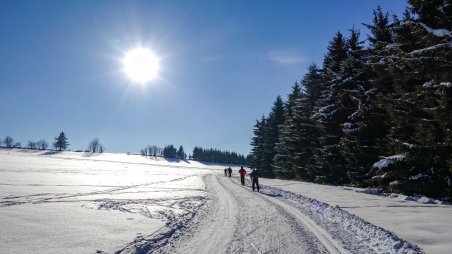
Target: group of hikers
x,y
253,175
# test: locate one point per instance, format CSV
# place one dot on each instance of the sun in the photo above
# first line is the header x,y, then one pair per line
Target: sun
x,y
141,65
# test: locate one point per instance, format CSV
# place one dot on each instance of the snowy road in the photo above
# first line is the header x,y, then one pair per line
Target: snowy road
x,y
241,221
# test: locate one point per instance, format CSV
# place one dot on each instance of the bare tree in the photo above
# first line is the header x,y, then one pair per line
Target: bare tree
x,y
95,146
9,141
151,151
31,144
42,144
155,150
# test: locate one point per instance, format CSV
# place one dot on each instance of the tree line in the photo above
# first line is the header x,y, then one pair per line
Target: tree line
x,y
199,154
60,144
375,115
169,151
218,156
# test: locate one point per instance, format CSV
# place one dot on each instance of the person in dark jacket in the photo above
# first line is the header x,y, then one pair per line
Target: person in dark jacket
x,y
230,171
242,173
225,172
255,178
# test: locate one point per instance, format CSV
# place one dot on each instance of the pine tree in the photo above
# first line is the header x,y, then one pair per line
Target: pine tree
x,y
419,103
284,147
435,13
308,133
181,154
291,98
257,144
298,136
363,126
169,151
337,53
61,142
330,165
380,36
271,131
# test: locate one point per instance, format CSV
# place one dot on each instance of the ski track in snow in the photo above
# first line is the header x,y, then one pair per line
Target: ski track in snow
x,y
233,219
217,215
64,197
236,220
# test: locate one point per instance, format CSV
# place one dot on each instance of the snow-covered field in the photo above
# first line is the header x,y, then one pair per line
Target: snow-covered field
x,y
73,203
116,203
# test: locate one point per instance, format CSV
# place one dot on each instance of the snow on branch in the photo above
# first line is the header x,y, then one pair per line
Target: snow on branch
x,y
386,161
434,47
436,32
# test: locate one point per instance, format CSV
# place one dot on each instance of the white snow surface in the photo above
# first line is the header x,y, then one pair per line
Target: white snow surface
x,y
80,203
116,203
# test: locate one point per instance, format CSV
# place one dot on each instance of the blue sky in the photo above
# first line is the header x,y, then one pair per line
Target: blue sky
x,y
222,65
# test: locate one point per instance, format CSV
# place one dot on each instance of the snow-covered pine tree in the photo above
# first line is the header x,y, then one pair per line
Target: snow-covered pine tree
x,y
364,126
307,133
285,146
419,63
272,128
257,144
329,161
380,36
373,114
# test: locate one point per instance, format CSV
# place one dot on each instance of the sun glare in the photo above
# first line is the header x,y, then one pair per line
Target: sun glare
x,y
141,65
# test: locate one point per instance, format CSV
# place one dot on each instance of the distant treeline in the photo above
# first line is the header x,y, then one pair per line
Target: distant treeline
x,y
168,151
378,115
218,156
61,144
199,154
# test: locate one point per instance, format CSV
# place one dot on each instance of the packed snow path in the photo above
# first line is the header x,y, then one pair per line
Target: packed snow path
x,y
241,221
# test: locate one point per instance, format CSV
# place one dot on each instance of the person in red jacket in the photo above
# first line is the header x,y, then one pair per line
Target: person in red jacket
x,y
242,175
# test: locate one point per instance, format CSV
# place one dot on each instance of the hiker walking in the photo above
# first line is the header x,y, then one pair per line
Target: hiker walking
x,y
255,178
230,171
242,175
225,172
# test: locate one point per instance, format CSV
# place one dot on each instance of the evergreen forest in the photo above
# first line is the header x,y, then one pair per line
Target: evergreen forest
x,y
376,113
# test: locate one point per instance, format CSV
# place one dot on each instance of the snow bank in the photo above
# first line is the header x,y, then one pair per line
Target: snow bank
x,y
355,234
427,225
